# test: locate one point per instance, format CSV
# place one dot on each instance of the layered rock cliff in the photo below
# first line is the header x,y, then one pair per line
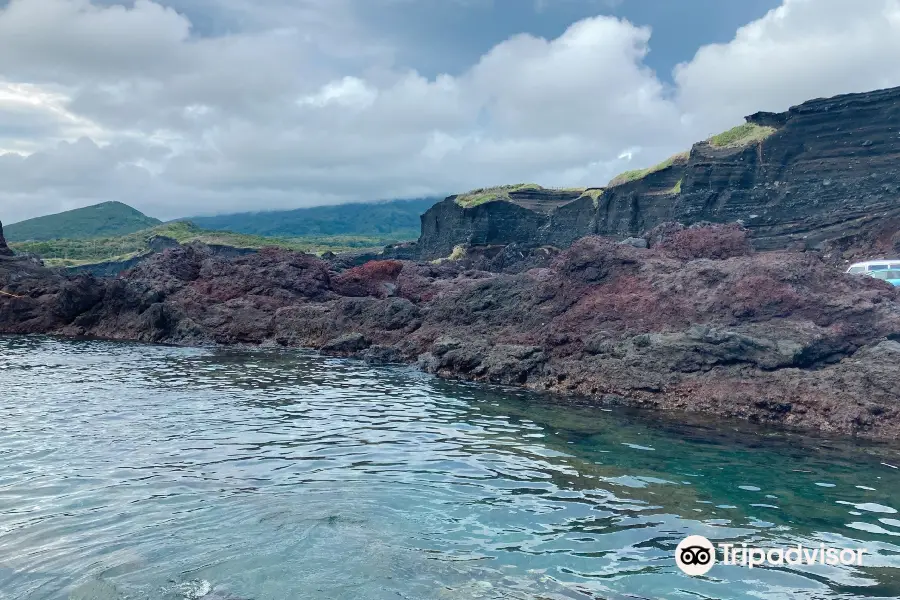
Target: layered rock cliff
x,y
824,174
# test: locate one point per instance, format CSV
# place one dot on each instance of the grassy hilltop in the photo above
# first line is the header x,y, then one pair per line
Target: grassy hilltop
x,y
76,252
101,220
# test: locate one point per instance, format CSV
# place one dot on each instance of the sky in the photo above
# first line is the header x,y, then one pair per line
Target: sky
x,y
198,107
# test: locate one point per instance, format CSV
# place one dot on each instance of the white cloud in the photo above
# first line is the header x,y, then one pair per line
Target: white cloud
x,y
804,49
130,103
590,78
349,92
69,41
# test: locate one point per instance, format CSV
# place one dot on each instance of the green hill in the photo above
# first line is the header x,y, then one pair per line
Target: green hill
x,y
394,218
101,220
79,252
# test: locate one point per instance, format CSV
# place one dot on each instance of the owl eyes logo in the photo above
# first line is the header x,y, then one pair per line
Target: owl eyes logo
x,y
695,555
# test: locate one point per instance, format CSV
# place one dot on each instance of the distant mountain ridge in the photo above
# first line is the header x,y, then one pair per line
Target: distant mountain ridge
x,y
107,219
108,255
395,218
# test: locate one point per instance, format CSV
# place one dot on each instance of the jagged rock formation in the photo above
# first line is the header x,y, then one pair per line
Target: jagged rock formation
x,y
827,177
556,217
4,249
698,321
156,244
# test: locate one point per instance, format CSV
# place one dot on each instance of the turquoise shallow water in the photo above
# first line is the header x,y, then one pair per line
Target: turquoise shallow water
x,y
130,471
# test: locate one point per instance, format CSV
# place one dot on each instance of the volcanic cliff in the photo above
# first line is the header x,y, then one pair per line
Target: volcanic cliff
x,y
823,175
4,249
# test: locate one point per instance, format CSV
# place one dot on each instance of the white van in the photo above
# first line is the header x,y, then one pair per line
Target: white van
x,y
875,265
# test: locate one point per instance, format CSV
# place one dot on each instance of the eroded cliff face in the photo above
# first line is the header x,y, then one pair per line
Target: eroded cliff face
x,y
525,218
831,170
828,177
4,249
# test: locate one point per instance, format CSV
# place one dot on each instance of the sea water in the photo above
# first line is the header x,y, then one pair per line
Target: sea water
x,y
144,472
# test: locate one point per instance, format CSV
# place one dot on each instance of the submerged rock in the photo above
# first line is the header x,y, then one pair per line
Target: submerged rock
x,y
96,589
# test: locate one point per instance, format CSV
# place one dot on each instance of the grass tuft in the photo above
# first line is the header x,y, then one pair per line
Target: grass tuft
x,y
459,253
594,194
636,174
742,135
492,194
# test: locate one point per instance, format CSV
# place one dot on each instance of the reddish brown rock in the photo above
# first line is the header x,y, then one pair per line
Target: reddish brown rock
x,y
726,241
695,322
374,278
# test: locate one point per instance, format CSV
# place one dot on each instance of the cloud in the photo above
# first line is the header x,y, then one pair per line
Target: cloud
x,y
68,41
30,115
590,78
804,49
279,104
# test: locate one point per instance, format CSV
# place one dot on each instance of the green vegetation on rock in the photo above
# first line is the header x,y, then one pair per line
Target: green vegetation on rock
x,y
594,194
677,188
76,252
742,135
502,193
101,220
636,174
492,194
459,253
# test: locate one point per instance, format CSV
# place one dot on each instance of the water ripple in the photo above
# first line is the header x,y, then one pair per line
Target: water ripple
x,y
133,471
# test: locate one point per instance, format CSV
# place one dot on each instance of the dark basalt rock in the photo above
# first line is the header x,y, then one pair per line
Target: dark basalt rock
x,y
346,344
157,244
447,224
830,171
4,249
110,268
828,178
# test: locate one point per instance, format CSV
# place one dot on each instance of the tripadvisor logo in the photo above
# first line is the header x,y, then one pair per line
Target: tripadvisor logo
x,y
696,555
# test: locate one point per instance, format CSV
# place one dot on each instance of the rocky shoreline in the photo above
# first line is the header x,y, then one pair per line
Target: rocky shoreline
x,y
698,321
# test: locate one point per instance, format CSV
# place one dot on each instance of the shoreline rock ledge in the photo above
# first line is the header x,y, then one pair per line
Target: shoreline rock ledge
x,y
697,321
